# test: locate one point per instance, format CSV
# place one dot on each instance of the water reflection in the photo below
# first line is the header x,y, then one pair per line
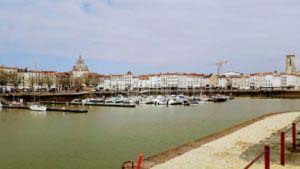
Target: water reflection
x,y
38,113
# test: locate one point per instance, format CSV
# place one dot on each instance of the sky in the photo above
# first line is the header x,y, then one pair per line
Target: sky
x,y
150,36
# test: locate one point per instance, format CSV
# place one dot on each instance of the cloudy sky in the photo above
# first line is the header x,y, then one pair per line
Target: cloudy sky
x,y
147,36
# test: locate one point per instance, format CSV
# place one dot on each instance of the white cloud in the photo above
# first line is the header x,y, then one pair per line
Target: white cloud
x,y
157,32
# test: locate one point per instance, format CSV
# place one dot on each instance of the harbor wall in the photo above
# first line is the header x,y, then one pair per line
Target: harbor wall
x,y
67,97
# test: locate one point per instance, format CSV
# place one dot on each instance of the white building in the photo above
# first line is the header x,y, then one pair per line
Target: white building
x,y
241,82
289,80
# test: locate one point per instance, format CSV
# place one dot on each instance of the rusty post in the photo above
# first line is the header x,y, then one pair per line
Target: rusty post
x,y
294,135
267,157
282,148
139,161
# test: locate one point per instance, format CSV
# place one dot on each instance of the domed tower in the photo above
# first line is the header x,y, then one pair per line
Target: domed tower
x,y
80,69
290,64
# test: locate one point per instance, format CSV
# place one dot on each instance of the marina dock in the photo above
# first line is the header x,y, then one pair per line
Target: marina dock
x,y
91,104
49,109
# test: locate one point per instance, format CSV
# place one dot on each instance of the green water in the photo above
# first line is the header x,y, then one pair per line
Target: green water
x,y
105,137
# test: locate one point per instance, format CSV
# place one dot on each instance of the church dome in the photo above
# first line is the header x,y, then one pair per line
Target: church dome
x,y
80,65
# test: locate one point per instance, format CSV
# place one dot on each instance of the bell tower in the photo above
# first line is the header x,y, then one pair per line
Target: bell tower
x,y
290,64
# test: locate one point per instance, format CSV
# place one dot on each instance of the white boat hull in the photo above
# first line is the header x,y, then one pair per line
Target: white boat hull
x,y
37,108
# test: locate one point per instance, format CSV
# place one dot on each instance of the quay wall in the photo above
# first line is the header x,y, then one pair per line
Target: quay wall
x,y
67,97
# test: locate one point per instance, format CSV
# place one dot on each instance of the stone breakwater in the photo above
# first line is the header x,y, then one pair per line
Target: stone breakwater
x,y
226,151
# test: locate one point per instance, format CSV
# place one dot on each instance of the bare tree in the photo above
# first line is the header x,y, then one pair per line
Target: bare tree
x,y
64,81
78,84
32,81
4,78
15,80
48,82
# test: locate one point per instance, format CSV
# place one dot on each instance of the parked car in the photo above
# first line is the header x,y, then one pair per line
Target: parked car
x,y
4,89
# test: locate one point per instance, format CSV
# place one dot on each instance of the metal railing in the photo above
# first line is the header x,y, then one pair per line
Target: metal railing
x,y
266,154
282,147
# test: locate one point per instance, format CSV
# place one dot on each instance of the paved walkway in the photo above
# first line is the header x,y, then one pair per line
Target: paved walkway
x,y
237,149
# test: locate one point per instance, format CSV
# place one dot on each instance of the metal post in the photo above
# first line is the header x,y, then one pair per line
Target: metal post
x,y
267,157
282,148
139,161
294,135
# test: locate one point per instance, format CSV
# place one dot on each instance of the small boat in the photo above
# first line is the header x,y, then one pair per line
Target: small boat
x,y
149,101
186,104
204,98
0,105
37,107
219,98
76,101
162,102
174,102
194,102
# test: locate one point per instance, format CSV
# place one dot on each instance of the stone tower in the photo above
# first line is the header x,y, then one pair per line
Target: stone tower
x,y
290,64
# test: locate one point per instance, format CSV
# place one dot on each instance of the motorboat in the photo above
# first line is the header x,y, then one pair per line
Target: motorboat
x,y
162,102
118,100
204,98
183,99
37,107
147,101
174,102
219,98
76,101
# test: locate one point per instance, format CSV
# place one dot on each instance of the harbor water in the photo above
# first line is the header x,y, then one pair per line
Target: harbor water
x,y
107,136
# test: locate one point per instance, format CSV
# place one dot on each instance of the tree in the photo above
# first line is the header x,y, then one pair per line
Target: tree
x,y
32,81
4,78
78,83
40,81
15,80
64,81
48,82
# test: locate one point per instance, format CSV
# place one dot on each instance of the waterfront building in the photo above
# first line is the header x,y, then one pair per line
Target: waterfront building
x,y
240,82
289,81
79,78
213,81
224,82
36,80
118,82
9,70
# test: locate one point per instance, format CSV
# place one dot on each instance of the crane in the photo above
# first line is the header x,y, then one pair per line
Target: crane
x,y
220,65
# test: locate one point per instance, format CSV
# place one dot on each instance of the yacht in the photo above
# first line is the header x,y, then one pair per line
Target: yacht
x,y
37,107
